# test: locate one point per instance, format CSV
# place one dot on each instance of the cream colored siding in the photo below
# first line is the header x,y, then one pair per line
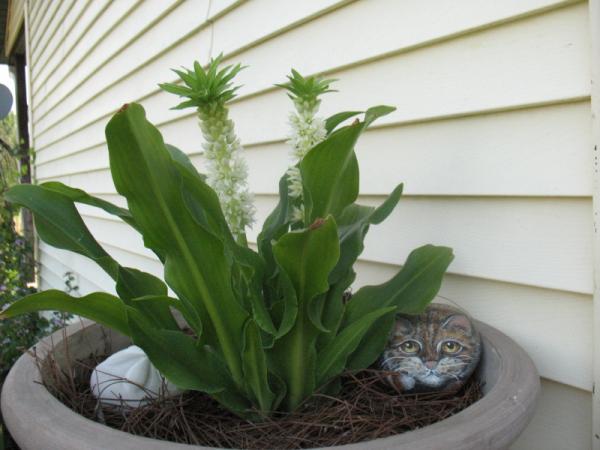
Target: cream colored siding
x,y
492,139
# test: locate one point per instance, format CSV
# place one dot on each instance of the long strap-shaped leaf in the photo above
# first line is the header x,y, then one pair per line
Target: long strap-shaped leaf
x,y
177,356
79,196
410,291
330,169
332,360
99,307
307,258
196,266
59,224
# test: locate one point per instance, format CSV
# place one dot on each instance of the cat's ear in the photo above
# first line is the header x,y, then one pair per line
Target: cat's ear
x,y
403,327
458,321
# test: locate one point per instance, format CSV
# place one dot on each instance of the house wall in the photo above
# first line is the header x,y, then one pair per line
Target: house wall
x,y
492,139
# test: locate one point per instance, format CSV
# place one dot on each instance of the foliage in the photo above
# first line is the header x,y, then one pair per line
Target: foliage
x,y
269,327
9,168
305,91
204,88
16,263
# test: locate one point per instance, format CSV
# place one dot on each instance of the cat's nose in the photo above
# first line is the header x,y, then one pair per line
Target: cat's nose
x,y
430,364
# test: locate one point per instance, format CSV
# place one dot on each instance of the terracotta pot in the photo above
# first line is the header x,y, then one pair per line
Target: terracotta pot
x,y
38,421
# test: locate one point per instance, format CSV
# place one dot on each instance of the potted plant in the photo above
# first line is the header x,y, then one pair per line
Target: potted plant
x,y
268,327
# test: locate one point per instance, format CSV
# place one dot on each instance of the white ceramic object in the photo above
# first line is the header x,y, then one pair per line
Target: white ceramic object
x,y
129,378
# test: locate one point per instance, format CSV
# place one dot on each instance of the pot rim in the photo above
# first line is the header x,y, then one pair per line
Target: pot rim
x,y
511,390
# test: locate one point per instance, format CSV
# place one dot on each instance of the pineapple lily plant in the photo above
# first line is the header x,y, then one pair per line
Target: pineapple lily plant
x,y
268,327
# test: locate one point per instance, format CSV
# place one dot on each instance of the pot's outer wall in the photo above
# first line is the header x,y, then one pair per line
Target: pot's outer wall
x,y
38,421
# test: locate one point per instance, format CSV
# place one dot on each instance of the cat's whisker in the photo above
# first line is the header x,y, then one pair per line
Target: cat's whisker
x,y
445,366
386,361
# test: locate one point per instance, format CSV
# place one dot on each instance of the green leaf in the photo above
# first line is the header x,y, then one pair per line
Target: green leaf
x,y
330,169
410,291
290,304
353,225
177,356
103,308
332,360
79,196
332,309
376,112
333,121
59,224
133,283
255,368
330,174
198,269
307,257
247,266
275,226
184,162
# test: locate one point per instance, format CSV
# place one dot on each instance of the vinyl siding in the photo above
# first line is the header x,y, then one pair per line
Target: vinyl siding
x,y
492,139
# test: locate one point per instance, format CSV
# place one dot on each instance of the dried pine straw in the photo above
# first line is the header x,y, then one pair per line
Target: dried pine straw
x,y
365,409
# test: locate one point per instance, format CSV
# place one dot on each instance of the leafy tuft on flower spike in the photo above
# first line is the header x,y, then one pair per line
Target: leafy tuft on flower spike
x,y
205,87
307,130
208,90
305,91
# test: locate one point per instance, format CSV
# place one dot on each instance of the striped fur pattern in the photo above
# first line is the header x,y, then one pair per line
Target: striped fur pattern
x,y
434,351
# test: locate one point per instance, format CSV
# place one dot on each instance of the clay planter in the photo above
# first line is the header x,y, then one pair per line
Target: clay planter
x,y
38,421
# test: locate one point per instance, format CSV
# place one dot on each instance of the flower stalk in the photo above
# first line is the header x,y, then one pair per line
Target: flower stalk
x,y
307,130
208,91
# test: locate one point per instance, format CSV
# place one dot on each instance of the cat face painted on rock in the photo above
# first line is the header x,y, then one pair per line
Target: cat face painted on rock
x,y
434,351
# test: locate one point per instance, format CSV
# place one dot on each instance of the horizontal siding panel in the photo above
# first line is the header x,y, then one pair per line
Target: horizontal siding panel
x,y
57,262
359,32
562,420
34,8
96,182
466,156
280,19
55,49
555,60
41,29
541,60
114,232
61,59
144,33
141,59
93,159
535,242
539,242
184,21
72,66
546,152
58,21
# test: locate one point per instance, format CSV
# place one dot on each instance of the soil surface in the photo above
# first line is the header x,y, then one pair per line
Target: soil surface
x,y
366,408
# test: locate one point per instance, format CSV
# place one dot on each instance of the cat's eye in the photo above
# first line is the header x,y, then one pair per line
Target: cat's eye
x,y
410,347
451,347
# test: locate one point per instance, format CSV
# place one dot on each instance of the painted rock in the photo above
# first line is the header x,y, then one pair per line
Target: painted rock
x,y
437,350
128,378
